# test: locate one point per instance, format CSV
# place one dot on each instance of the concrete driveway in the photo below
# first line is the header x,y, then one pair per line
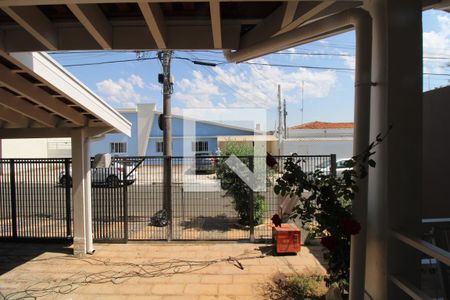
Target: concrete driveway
x,y
147,271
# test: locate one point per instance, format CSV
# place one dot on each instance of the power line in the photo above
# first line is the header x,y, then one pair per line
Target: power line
x,y
216,62
317,54
298,66
343,55
110,62
220,53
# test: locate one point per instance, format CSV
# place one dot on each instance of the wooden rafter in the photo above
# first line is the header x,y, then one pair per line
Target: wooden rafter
x,y
14,117
306,16
35,23
95,22
22,86
289,12
27,109
216,24
155,21
282,20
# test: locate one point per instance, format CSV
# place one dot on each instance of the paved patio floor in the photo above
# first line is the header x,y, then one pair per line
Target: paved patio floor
x,y
147,271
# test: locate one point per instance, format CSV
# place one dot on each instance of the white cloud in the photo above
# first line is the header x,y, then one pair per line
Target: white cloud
x,y
198,91
256,86
251,86
437,44
291,50
136,80
155,87
122,92
349,60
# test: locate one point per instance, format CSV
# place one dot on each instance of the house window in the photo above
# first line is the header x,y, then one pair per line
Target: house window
x,y
200,146
159,146
118,147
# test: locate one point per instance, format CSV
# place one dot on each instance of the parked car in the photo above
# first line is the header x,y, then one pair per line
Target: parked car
x,y
111,177
341,166
204,162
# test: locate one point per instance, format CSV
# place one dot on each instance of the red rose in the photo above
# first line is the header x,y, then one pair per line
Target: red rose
x,y
350,226
329,242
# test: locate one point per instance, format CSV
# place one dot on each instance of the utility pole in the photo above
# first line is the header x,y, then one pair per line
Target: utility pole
x,y
166,80
279,120
284,118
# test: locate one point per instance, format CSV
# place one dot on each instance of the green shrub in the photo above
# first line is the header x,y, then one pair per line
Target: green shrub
x,y
238,189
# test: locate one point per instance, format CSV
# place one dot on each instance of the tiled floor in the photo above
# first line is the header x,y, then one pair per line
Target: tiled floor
x,y
148,271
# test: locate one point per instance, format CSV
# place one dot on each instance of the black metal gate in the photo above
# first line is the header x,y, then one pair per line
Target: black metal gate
x,y
32,204
200,208
127,200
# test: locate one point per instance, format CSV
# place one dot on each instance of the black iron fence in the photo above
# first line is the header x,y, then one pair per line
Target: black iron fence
x,y
128,204
32,206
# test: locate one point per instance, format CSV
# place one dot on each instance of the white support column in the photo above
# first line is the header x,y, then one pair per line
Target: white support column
x,y
395,185
87,196
81,189
361,141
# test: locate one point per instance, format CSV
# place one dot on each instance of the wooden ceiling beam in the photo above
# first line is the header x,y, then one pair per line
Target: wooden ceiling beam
x,y
95,22
35,23
307,16
216,23
14,117
155,21
282,20
27,109
22,86
289,13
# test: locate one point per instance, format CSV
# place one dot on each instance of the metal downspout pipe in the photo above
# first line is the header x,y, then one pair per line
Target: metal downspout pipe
x,y
361,21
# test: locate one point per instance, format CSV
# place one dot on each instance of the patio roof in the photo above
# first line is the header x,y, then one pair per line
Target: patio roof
x,y
42,25
37,93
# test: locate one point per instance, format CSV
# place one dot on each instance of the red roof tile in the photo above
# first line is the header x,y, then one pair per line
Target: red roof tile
x,y
323,125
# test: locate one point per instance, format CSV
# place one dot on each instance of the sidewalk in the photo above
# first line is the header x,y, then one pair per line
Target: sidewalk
x,y
147,271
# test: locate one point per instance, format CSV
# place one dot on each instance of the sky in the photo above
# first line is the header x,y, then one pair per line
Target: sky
x,y
311,94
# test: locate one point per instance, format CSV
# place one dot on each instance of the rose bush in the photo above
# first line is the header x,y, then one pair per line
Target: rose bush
x,y
325,205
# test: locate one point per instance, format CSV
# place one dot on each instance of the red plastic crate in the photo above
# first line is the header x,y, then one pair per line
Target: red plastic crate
x,y
287,238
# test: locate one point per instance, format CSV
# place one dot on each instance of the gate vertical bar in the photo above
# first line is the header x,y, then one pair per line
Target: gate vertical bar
x,y
125,201
333,165
68,197
168,195
251,202
12,179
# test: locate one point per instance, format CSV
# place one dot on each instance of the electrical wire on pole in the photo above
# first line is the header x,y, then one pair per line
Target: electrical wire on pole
x,y
165,79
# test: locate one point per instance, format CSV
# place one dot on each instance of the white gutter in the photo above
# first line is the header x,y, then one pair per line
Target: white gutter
x,y
360,20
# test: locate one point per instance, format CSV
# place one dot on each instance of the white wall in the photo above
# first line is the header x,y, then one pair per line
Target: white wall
x,y
59,148
343,148
343,132
36,148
